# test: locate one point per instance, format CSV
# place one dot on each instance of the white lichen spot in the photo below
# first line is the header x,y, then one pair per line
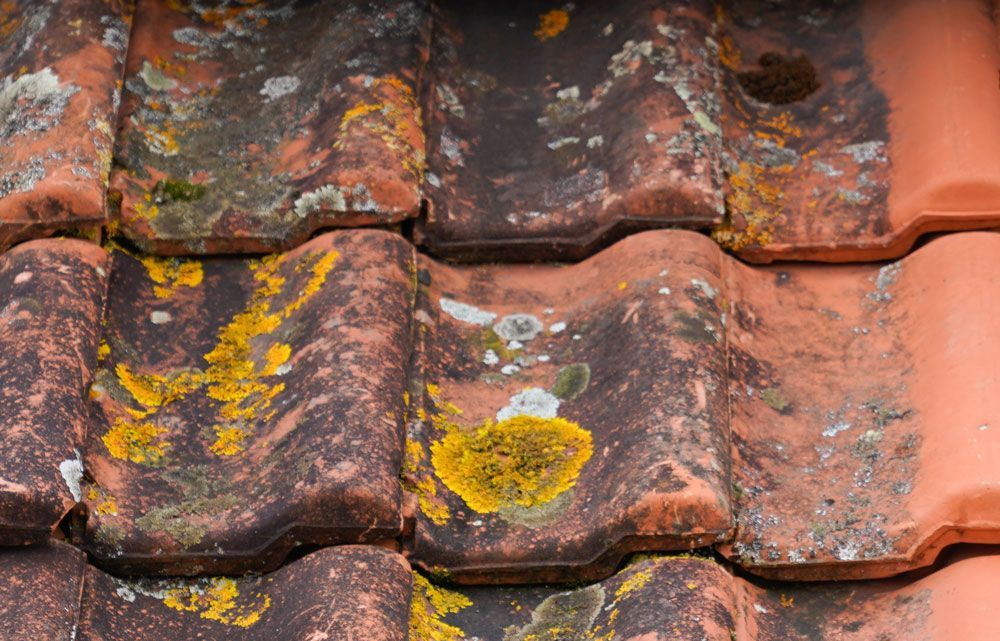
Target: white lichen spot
x,y
983,427
22,277
466,313
569,93
555,328
533,401
279,86
490,358
836,428
562,142
509,370
595,141
664,290
518,327
72,473
326,198
544,358
865,151
608,29
515,345
706,289
32,102
160,317
156,79
705,122
650,138
432,179
450,148
126,593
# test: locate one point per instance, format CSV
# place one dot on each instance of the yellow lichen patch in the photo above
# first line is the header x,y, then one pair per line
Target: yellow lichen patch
x,y
229,441
417,480
551,24
393,114
106,503
428,608
219,601
637,581
162,140
729,55
170,274
136,442
523,461
152,391
103,350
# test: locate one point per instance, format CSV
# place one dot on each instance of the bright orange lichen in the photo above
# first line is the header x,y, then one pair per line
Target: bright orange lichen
x,y
219,601
551,24
136,442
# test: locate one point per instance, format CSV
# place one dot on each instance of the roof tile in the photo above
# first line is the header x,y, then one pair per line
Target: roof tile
x,y
236,409
595,120
874,157
60,75
617,365
51,296
248,126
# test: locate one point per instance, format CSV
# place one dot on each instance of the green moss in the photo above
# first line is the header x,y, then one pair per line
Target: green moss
x,y
773,398
571,381
174,190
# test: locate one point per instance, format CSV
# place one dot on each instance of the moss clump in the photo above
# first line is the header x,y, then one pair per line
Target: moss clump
x,y
773,398
571,381
177,190
525,461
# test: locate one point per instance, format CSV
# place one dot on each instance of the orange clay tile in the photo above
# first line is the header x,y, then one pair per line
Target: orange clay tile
x,y
897,138
248,125
243,406
554,129
354,593
60,79
51,295
694,599
866,427
564,416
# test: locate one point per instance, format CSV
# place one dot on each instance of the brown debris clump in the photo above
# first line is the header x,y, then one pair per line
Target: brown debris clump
x,y
780,80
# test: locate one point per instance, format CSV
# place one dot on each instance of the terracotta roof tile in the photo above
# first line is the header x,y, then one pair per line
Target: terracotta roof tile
x,y
591,122
51,296
236,409
618,366
697,599
899,138
60,75
49,594
247,126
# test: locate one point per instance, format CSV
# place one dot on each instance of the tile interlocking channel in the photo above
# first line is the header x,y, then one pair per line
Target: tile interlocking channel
x,y
837,132
359,593
812,422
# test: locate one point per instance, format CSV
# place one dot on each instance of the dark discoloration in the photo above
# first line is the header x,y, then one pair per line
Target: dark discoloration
x,y
59,70
813,167
187,480
51,296
40,590
563,144
284,117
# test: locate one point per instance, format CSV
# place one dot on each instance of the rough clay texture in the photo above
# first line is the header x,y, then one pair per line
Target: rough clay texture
x,y
596,120
236,411
248,125
60,83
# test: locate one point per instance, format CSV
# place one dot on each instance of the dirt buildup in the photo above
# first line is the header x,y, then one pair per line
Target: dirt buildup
x,y
780,80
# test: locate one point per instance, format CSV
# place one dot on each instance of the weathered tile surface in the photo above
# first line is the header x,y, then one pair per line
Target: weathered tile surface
x,y
698,600
248,125
51,296
352,593
40,588
853,127
60,80
553,130
568,415
864,413
241,407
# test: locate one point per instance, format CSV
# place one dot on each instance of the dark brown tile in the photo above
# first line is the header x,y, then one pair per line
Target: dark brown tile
x,y
51,297
40,591
60,81
244,406
553,130
247,126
